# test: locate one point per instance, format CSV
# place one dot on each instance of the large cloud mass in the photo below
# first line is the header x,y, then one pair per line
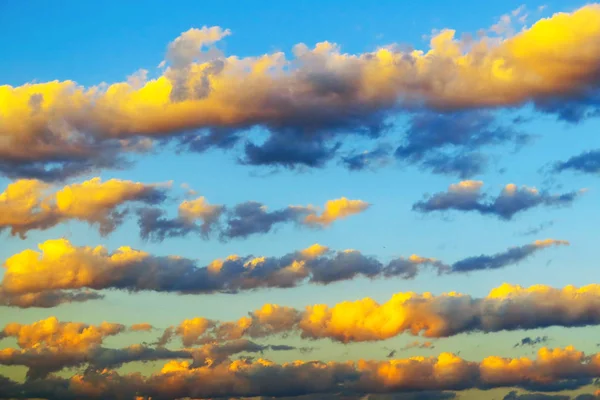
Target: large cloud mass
x,y
308,104
507,307
179,379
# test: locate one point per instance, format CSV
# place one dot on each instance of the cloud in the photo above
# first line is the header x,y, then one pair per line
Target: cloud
x,y
466,196
61,270
448,143
419,345
527,341
252,217
42,361
513,395
308,104
27,205
243,220
63,335
155,226
47,298
288,151
587,162
336,209
370,159
141,327
508,257
537,229
508,307
243,377
50,346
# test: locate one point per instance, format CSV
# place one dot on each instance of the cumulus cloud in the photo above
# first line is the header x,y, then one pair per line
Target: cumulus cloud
x,y
508,307
241,221
466,196
28,204
239,378
61,271
587,162
308,104
63,335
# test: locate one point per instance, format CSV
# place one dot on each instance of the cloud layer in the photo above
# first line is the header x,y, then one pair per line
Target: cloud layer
x,y
507,307
179,379
61,270
308,104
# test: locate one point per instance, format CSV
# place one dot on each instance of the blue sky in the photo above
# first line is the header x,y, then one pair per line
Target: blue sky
x,y
105,43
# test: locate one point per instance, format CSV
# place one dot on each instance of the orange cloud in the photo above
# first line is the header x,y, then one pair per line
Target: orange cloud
x,y
141,327
29,204
507,307
61,335
336,209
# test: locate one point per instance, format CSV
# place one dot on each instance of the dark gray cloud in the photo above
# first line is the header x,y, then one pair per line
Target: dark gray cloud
x,y
289,152
511,256
155,226
213,138
466,196
514,395
464,165
243,220
558,385
528,341
61,169
367,160
252,217
574,108
537,229
47,298
587,162
449,143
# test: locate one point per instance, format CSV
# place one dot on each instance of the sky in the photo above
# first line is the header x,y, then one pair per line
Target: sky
x,y
299,199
